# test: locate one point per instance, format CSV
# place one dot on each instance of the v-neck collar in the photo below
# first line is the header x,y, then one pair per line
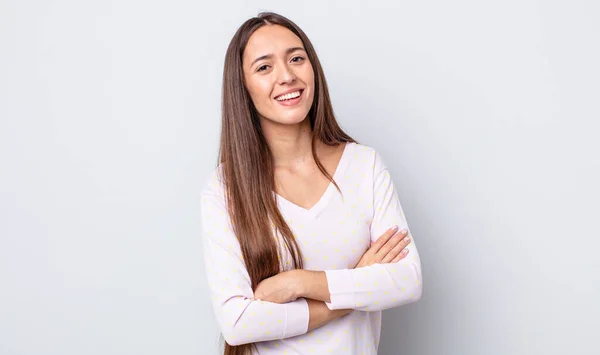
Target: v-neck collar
x,y
324,200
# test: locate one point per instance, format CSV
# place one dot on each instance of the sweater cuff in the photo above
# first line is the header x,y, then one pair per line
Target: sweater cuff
x,y
296,318
341,289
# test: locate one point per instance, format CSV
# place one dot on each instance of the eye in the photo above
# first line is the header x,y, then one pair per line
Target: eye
x,y
298,57
262,67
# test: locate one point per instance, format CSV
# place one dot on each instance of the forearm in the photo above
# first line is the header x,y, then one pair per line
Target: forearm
x,y
376,287
320,314
371,288
313,285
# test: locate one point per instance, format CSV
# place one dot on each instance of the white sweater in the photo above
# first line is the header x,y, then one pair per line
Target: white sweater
x,y
333,235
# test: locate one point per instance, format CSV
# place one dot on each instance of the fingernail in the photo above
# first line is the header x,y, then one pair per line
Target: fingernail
x,y
394,228
404,231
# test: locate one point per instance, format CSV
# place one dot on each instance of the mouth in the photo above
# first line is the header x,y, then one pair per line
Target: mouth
x,y
290,99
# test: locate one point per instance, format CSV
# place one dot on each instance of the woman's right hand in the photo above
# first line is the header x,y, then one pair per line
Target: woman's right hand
x,y
389,248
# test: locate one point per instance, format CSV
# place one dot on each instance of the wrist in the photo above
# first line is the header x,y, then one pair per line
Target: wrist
x,y
312,284
299,287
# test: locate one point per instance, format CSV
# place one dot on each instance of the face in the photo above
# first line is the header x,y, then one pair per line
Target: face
x,y
278,75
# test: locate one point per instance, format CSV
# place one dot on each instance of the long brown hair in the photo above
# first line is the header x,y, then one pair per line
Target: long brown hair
x,y
247,163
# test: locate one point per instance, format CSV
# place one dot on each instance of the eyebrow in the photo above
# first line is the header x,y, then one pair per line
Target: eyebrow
x,y
267,56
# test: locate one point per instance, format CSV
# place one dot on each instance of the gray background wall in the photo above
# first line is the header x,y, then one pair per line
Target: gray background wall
x,y
486,112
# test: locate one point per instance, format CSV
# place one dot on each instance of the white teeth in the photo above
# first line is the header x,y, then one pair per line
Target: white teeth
x,y
291,95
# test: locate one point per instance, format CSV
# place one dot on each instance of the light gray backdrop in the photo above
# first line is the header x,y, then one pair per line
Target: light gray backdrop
x,y
486,112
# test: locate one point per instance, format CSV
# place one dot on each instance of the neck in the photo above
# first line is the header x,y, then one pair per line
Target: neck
x,y
289,144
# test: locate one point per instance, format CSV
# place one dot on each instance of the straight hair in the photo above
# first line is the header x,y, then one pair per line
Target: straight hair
x,y
247,162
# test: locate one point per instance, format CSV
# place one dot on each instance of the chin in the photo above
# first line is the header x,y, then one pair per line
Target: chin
x,y
293,119
288,118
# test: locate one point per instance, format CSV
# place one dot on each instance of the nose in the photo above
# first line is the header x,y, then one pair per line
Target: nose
x,y
286,74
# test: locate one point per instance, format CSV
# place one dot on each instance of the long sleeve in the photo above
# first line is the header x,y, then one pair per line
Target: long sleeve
x,y
379,286
242,319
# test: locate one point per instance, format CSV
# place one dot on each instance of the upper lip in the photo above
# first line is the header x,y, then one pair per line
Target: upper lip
x,y
288,91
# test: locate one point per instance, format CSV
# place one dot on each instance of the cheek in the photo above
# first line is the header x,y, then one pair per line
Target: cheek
x,y
309,79
260,94
261,90
309,74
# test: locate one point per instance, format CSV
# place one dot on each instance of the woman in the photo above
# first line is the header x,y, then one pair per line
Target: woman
x,y
298,219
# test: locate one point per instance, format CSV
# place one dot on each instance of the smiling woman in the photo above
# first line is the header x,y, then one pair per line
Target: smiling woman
x,y
305,241
279,76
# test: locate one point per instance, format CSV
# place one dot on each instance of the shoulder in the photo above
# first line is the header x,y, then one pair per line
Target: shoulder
x,y
367,156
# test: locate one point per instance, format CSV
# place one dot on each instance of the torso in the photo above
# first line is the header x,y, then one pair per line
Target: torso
x,y
333,235
333,231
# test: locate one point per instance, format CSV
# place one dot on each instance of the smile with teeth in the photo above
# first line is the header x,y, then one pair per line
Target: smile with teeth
x,y
291,95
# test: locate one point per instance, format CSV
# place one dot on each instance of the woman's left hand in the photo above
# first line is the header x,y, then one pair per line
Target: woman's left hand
x,y
281,288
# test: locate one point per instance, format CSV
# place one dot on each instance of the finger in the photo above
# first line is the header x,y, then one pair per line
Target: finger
x,y
401,256
384,238
396,250
391,243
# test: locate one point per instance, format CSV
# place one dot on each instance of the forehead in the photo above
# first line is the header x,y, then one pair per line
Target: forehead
x,y
270,39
